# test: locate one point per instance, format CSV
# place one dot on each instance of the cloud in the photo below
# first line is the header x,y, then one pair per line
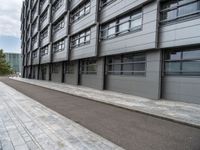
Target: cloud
x,y
10,11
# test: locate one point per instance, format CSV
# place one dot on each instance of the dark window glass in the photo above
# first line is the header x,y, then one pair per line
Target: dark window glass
x,y
186,62
172,10
191,54
89,66
129,23
127,64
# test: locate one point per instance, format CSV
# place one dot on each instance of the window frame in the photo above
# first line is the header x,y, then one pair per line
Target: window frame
x,y
86,64
59,46
122,63
104,31
77,37
177,7
75,15
181,61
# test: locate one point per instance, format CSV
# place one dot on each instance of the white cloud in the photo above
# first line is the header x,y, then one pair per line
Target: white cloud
x,y
10,11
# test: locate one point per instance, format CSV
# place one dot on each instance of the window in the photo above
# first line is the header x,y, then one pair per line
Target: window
x,y
34,39
34,54
44,34
59,46
171,10
69,68
42,3
59,25
106,2
80,12
44,51
128,64
57,5
122,25
55,68
182,62
89,66
80,39
34,26
43,17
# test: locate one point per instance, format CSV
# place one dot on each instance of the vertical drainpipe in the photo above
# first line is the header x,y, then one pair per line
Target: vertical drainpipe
x,y
50,39
39,54
30,53
98,41
158,47
67,26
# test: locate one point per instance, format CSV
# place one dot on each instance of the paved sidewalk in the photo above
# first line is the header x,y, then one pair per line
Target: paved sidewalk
x,y
26,124
177,111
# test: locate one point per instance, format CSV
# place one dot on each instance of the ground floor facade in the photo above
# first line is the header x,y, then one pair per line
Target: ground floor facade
x,y
172,74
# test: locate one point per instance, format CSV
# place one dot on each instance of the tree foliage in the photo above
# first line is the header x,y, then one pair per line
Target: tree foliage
x,y
5,68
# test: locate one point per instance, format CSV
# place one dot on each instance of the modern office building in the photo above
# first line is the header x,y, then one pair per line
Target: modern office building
x,y
14,60
148,48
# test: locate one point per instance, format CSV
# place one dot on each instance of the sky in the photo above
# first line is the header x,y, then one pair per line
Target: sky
x,y
10,11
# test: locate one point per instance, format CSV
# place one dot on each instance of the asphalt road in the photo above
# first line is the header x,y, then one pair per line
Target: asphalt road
x,y
130,130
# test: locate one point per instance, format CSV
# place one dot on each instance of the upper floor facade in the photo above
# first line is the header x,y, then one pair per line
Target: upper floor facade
x,y
77,29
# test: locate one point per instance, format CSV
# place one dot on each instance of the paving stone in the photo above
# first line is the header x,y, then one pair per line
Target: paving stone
x,y
27,125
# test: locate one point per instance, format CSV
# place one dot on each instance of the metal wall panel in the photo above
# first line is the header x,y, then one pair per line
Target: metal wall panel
x,y
119,7
86,21
135,41
88,50
145,86
180,34
185,89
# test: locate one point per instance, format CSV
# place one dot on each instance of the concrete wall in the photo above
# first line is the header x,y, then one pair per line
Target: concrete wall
x,y
136,41
180,88
94,80
146,86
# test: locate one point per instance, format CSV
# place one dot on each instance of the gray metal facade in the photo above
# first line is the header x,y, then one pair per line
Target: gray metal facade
x,y
118,45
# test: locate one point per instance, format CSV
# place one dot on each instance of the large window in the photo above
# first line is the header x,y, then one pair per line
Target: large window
x,y
34,54
182,62
59,46
128,64
44,51
106,2
55,68
34,40
171,10
59,25
80,12
69,68
57,5
44,34
43,16
129,23
89,66
80,39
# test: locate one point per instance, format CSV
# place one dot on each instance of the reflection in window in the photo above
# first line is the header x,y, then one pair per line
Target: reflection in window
x,y
186,62
122,25
131,64
171,10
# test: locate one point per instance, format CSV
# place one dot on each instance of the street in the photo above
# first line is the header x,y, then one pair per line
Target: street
x,y
128,129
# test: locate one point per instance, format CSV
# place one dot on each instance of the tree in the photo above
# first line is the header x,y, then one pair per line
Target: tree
x,y
5,68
